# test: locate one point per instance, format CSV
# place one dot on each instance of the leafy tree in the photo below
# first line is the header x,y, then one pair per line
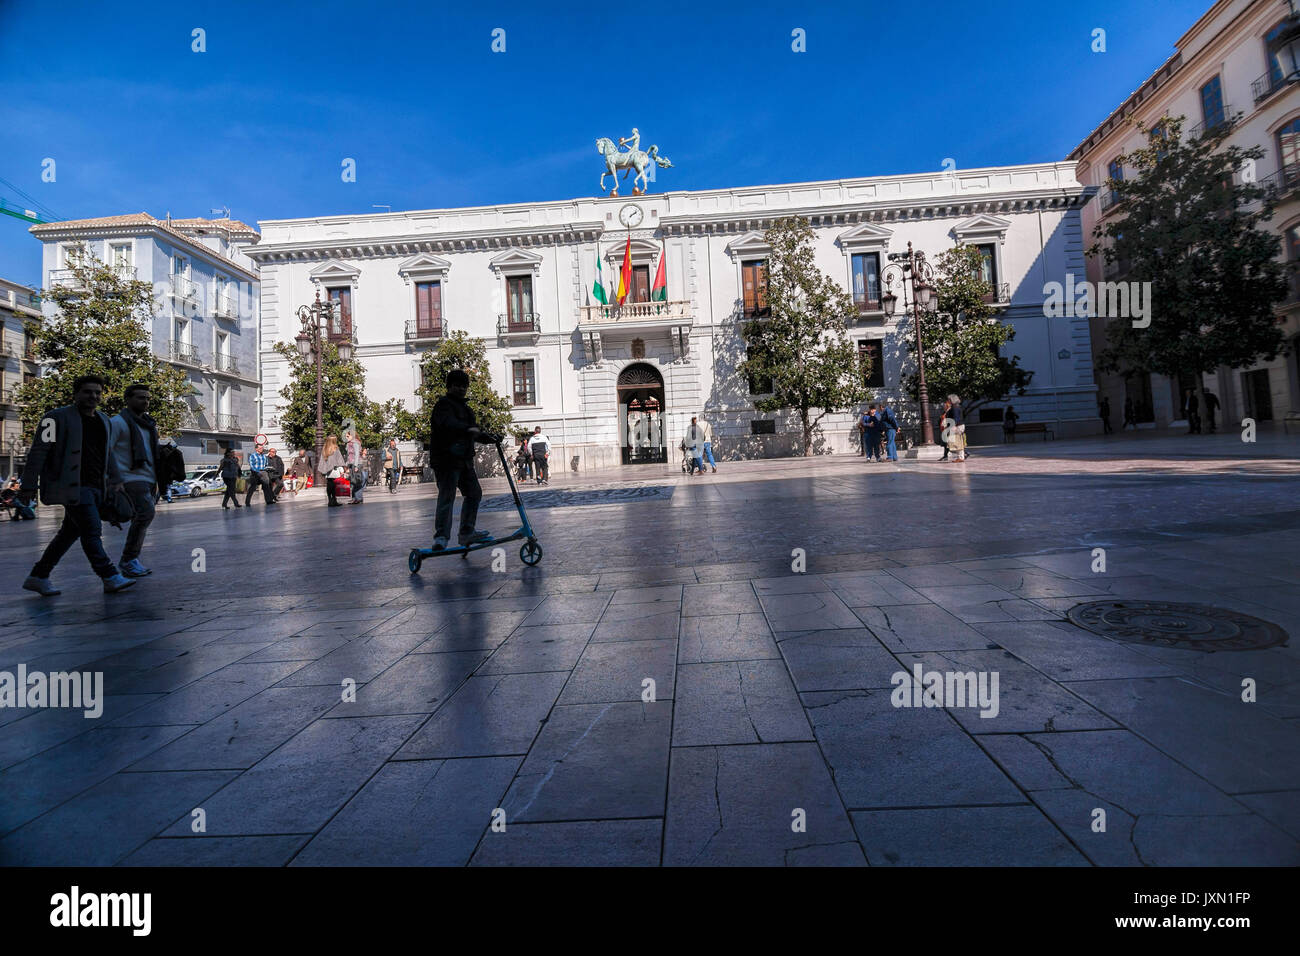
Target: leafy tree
x,y
492,410
343,390
103,327
1190,227
803,349
963,339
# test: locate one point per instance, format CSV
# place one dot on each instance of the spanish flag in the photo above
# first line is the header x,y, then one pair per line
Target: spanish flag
x,y
625,274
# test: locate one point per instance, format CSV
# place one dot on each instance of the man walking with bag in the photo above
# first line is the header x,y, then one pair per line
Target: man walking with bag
x,y
540,447
889,426
69,462
133,439
356,469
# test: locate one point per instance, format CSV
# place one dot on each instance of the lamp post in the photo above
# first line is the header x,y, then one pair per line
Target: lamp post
x,y
314,318
911,268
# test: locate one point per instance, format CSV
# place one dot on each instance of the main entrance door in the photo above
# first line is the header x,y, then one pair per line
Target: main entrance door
x,y
641,415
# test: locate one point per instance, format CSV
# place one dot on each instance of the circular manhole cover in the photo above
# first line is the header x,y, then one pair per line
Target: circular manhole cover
x,y
1189,626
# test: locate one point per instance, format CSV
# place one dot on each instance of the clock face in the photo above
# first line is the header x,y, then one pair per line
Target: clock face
x,y
630,215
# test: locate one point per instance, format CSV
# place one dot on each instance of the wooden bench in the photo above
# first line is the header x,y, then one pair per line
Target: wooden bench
x,y
1028,428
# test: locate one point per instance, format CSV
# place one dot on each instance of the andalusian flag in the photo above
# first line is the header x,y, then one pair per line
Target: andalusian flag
x,y
625,274
598,287
659,291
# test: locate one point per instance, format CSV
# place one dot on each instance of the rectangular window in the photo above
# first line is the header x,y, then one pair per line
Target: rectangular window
x,y
866,281
1115,171
758,386
872,351
640,284
989,270
428,309
340,327
181,267
1212,104
754,287
524,380
519,303
1160,138
759,426
120,257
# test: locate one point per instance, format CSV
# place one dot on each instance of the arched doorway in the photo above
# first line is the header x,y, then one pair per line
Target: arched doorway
x,y
641,415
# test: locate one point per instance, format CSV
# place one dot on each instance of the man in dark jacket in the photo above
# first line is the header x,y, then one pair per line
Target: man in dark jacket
x,y
71,463
454,432
274,474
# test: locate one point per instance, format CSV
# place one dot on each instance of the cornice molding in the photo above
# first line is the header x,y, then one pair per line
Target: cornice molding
x,y
137,230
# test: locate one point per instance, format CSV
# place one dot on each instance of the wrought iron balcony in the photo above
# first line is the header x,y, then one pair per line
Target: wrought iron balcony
x,y
1107,198
225,363
521,323
67,278
224,307
1283,182
633,314
426,331
1270,83
1225,118
867,301
1001,294
227,422
182,352
183,288
124,271
8,396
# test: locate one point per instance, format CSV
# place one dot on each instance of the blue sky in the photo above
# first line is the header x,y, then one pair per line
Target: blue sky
x,y
261,121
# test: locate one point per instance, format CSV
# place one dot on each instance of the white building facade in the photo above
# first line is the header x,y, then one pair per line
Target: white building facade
x,y
614,386
20,307
1238,67
206,323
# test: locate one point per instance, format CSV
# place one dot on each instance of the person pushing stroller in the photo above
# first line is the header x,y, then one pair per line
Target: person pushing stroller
x,y
454,432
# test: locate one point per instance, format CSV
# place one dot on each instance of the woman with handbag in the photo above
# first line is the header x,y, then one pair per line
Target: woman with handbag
x,y
331,466
230,472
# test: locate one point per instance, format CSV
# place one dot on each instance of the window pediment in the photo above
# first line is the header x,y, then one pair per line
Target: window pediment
x,y
867,237
516,260
981,227
424,267
643,250
334,270
752,245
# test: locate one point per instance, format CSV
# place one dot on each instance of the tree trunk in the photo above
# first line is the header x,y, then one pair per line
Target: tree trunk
x,y
807,432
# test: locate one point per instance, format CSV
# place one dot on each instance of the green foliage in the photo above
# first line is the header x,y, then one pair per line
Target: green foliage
x,y
492,410
963,340
343,389
803,349
1188,223
103,327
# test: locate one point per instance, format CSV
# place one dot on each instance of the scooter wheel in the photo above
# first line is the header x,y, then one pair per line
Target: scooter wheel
x,y
414,561
530,553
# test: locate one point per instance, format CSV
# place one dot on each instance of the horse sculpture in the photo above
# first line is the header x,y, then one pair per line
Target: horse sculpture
x,y
628,161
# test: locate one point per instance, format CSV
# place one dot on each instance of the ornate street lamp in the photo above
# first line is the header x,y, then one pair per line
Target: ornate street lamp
x,y
911,268
317,318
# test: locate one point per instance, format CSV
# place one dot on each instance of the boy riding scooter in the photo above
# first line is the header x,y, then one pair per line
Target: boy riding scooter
x,y
454,432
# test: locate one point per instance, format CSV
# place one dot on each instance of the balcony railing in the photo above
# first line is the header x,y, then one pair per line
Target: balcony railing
x,y
7,396
224,307
227,422
1270,83
1107,198
1225,118
182,352
1282,182
636,313
194,420
67,278
225,363
1292,289
867,302
430,331
124,271
1001,294
184,288
519,323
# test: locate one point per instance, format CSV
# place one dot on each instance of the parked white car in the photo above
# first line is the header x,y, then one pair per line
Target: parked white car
x,y
198,483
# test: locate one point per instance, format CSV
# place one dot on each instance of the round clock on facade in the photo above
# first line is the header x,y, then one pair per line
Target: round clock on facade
x,y
631,215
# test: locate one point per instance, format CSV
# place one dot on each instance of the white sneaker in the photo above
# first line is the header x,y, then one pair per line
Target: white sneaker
x,y
41,586
134,569
117,583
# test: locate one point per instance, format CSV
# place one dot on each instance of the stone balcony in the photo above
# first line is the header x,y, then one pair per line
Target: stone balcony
x,y
635,315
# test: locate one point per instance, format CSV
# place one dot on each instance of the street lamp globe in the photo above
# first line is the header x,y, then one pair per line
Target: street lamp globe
x,y
889,302
924,294
303,341
345,351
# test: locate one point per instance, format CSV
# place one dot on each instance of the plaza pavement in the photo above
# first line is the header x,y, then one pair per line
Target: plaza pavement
x,y
520,693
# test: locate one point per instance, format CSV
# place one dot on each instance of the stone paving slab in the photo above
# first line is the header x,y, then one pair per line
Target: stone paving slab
x,y
775,737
